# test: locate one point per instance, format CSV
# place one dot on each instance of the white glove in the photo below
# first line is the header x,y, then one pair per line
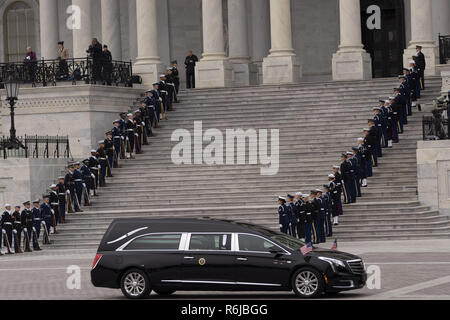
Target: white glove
x,y
123,138
53,211
99,166
84,185
93,176
160,99
68,191
143,123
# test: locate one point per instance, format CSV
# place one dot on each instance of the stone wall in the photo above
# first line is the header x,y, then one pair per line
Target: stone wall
x,y
27,179
83,112
433,170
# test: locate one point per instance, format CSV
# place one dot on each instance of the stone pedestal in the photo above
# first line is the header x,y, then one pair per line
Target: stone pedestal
x,y
83,112
281,69
27,179
213,74
433,170
445,81
149,71
352,65
245,74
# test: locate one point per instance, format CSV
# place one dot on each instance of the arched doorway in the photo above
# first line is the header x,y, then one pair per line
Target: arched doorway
x,y
384,42
19,30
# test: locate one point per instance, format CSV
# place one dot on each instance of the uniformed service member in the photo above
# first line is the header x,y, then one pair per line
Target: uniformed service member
x,y
17,229
292,209
283,215
6,224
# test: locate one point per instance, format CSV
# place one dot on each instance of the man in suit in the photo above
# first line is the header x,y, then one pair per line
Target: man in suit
x,y
190,62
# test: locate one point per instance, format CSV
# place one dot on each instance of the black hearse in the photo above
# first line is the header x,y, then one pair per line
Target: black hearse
x,y
168,255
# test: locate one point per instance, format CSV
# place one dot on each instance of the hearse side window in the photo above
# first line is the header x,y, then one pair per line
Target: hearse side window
x,y
254,243
156,242
219,242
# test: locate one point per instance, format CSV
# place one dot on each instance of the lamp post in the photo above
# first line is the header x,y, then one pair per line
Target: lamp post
x,y
12,92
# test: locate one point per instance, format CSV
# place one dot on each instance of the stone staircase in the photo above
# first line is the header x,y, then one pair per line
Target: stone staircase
x,y
317,122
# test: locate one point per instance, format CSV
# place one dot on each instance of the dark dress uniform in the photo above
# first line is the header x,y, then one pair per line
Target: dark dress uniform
x,y
349,185
328,203
87,178
46,212
283,217
27,220
293,219
6,223
301,218
103,165
320,220
61,200
37,220
117,141
190,63
78,180
163,90
421,64
130,129
156,100
54,205
109,150
95,169
17,226
176,79
69,182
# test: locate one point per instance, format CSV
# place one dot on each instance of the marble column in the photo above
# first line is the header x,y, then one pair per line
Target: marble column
x,y
238,43
260,26
351,61
281,65
111,31
48,19
82,37
213,70
148,63
422,34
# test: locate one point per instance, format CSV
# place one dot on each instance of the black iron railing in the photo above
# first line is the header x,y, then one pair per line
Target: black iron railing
x,y
38,147
75,70
444,49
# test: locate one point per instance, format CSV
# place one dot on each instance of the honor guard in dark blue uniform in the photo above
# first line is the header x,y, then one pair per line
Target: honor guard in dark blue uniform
x,y
140,132
118,139
54,205
103,163
17,229
27,221
37,217
415,83
78,180
373,132
94,166
380,124
292,209
328,201
6,224
109,149
147,116
356,170
69,182
157,100
402,97
315,205
395,106
409,83
151,104
164,92
301,215
321,217
349,183
309,222
336,195
369,142
361,154
283,215
176,77
62,192
339,180
130,128
46,212
88,180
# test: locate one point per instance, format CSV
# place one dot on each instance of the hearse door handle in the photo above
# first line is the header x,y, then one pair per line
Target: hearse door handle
x,y
189,258
242,259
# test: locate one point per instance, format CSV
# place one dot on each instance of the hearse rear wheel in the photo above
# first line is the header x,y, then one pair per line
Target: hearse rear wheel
x,y
307,283
135,284
163,292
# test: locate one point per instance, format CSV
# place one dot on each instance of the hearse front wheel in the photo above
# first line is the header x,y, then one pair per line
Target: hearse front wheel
x,y
307,283
135,284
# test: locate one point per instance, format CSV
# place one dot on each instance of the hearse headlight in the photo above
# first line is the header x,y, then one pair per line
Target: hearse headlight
x,y
334,263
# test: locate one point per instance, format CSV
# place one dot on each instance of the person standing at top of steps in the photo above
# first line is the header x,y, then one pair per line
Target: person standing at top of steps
x,y
190,62
176,76
283,215
421,64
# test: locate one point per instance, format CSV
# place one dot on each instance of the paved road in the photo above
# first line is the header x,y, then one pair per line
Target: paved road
x,y
409,270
